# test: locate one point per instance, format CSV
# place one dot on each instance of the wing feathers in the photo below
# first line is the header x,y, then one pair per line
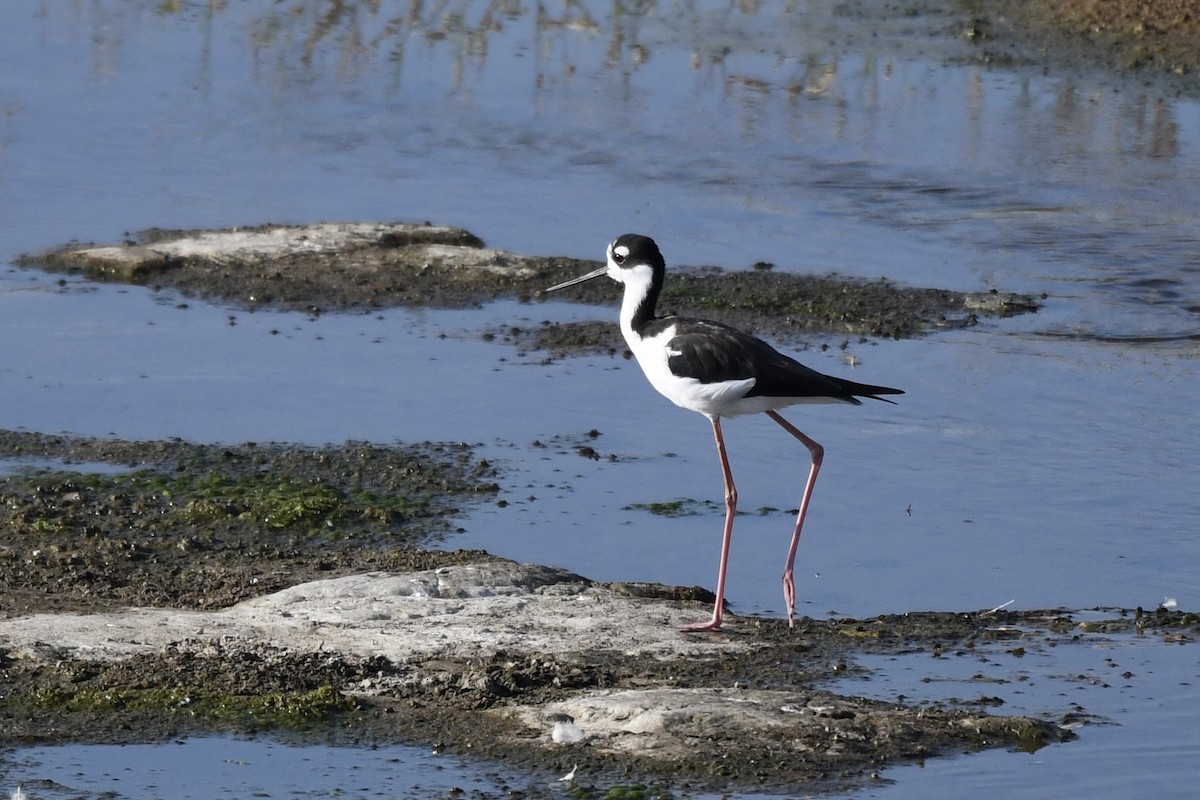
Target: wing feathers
x,y
714,353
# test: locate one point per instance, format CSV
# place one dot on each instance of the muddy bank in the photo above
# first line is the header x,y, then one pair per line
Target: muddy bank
x,y
1144,43
536,667
186,525
363,266
310,606
542,670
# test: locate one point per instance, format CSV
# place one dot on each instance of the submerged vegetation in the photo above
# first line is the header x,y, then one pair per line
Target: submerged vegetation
x,y
688,507
285,710
209,525
260,499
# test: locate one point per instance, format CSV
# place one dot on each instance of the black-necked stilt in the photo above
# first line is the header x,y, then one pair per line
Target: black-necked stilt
x,y
718,371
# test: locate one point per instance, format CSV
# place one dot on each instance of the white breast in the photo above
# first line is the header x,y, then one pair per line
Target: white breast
x,y
725,399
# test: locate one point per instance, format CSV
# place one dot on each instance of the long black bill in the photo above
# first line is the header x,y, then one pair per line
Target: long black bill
x,y
596,273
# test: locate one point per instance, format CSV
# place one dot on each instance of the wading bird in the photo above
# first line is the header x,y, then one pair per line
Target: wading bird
x,y
718,371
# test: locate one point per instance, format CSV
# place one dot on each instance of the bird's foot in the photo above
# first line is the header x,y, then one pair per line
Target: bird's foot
x,y
703,627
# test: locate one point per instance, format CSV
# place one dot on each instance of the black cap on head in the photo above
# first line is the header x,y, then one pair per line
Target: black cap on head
x,y
633,248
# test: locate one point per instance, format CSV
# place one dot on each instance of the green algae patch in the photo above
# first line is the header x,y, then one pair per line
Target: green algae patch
x,y
61,501
260,500
268,501
276,710
674,508
233,684
189,525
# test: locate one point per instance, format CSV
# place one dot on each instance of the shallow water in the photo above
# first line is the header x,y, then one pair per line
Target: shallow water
x,y
1133,686
1047,459
218,766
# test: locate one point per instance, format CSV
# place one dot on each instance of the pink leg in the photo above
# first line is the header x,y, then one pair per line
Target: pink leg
x,y
730,507
818,454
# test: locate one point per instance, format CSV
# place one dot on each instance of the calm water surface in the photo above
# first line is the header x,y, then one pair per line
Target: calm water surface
x,y
1050,459
208,767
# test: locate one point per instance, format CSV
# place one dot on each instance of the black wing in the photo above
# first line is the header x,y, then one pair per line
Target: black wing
x,y
713,353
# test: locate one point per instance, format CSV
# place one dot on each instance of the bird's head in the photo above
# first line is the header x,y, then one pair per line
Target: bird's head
x,y
631,258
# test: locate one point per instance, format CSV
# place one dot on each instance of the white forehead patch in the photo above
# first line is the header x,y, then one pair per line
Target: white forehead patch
x,y
621,250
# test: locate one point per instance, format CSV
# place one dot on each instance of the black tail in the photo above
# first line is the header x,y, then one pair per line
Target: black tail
x,y
855,390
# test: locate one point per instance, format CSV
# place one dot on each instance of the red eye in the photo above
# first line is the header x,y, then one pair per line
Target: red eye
x,y
617,257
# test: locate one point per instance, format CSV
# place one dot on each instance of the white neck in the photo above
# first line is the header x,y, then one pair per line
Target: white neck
x,y
637,282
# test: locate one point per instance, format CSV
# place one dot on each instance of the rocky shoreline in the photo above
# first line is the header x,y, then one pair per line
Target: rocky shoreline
x,y
161,589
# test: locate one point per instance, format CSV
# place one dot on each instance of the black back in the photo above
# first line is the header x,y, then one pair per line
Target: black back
x,y
712,353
